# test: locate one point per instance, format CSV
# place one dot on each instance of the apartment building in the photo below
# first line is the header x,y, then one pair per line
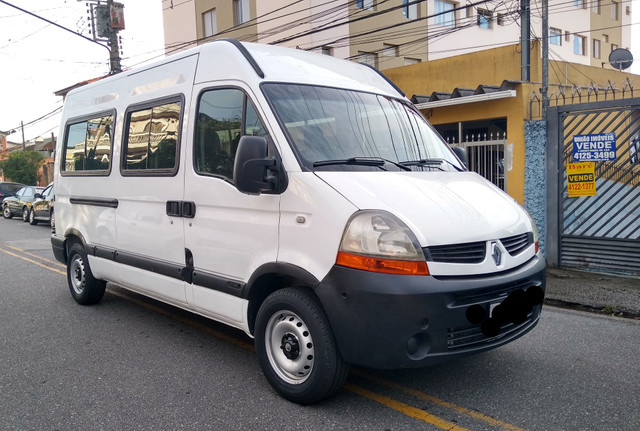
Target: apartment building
x,y
393,33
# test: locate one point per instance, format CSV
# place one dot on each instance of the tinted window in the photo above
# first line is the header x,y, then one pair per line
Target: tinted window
x,y
88,145
224,116
152,139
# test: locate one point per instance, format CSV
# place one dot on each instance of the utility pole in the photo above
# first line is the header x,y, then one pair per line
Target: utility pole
x,y
525,41
22,127
545,58
106,19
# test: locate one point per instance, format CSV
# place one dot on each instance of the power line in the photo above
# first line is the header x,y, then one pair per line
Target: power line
x,y
52,23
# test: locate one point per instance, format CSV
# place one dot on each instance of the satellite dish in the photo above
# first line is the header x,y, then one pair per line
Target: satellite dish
x,y
620,59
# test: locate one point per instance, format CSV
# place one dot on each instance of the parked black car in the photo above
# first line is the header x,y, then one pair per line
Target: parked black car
x,y
9,189
21,202
42,207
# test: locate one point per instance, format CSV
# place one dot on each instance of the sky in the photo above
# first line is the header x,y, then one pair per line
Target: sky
x,y
38,59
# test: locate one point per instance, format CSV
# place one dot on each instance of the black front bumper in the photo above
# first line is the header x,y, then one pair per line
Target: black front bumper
x,y
397,321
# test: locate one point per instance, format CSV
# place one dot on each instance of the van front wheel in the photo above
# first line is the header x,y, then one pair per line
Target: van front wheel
x,y
296,348
85,289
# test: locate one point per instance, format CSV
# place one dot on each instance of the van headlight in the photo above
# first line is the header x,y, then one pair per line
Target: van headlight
x,y
535,231
378,241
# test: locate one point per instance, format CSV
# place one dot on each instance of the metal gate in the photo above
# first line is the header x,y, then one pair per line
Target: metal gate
x,y
599,232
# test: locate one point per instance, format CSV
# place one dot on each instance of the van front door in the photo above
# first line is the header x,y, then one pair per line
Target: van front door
x,y
231,233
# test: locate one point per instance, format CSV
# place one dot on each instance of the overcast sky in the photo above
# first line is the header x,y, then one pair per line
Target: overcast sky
x,y
37,58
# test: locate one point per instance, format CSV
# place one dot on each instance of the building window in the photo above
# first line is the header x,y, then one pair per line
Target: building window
x,y
567,36
613,47
445,14
241,11
606,38
502,19
484,18
579,45
615,10
580,3
596,48
368,58
597,6
409,61
555,36
364,4
327,50
410,11
210,23
390,50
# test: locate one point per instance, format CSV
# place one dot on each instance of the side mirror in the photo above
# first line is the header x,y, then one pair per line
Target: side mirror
x,y
461,153
251,165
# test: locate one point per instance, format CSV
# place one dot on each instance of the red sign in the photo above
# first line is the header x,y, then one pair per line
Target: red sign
x,y
117,16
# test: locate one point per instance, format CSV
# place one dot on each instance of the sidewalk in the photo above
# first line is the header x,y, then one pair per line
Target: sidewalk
x,y
606,293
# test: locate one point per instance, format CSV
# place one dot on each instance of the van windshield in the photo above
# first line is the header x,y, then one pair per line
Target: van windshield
x,y
336,129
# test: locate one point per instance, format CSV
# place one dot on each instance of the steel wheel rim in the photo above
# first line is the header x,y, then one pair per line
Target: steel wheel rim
x,y
32,216
6,211
25,214
77,275
289,347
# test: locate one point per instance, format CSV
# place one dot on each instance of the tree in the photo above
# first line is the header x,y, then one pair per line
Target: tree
x,y
22,166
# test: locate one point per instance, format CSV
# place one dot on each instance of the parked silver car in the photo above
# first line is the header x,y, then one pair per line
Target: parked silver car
x,y
20,204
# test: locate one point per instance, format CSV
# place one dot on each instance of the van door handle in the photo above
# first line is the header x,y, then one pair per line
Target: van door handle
x,y
188,209
185,209
174,209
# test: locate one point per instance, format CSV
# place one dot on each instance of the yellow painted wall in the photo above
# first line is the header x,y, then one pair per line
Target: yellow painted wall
x,y
492,67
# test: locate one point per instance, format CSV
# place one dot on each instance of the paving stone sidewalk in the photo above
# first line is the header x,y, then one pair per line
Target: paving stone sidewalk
x,y
611,294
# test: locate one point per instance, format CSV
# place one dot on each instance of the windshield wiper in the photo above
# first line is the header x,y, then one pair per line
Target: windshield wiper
x,y
437,162
361,161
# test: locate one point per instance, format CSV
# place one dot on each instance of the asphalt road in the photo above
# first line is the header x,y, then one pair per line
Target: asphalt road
x,y
131,363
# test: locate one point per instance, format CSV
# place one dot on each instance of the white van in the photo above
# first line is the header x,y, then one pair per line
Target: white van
x,y
295,196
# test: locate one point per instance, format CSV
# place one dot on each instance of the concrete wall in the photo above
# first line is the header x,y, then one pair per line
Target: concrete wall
x,y
535,184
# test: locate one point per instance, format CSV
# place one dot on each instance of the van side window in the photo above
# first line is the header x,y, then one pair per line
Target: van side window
x,y
152,139
87,146
224,115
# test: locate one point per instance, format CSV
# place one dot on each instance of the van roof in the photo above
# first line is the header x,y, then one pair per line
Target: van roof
x,y
267,63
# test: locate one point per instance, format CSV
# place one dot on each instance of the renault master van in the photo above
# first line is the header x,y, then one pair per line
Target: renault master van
x,y
295,196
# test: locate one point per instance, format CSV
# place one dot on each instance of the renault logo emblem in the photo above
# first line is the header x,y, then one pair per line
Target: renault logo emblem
x,y
496,253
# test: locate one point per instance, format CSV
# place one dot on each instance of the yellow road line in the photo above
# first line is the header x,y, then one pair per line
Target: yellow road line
x,y
52,262
31,260
186,321
421,395
398,406
405,409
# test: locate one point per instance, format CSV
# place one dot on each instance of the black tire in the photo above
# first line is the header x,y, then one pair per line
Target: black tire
x,y
85,289
25,214
32,217
52,221
6,212
296,347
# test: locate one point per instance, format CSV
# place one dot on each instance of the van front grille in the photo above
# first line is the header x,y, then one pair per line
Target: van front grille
x,y
518,243
473,252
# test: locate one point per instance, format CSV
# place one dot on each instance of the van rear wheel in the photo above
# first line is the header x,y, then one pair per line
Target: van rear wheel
x,y
296,349
85,289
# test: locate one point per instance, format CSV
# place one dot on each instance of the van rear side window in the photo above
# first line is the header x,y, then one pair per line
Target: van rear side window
x,y
151,143
88,146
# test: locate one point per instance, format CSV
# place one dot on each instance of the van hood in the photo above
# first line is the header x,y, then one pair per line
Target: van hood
x,y
439,207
